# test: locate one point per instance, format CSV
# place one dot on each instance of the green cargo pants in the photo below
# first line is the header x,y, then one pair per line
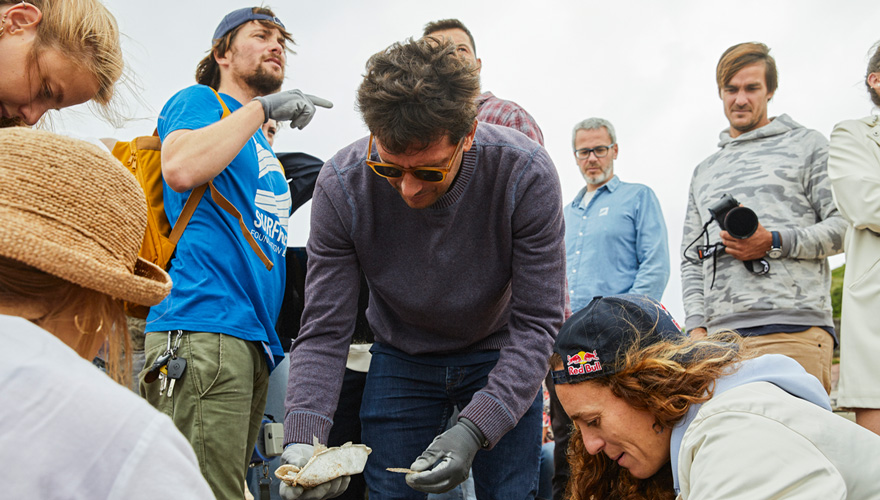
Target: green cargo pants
x,y
218,403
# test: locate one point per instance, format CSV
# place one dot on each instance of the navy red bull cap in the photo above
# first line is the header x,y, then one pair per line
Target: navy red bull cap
x,y
238,17
594,340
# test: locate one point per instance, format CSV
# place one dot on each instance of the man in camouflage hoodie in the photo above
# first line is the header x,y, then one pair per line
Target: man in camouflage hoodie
x,y
773,286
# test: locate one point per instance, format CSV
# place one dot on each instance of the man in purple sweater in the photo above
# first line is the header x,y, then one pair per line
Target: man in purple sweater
x,y
458,229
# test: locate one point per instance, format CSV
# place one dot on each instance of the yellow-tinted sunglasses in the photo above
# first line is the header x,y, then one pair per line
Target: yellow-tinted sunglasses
x,y
427,174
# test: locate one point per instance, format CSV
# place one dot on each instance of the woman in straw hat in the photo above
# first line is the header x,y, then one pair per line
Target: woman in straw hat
x,y
71,222
54,54
659,415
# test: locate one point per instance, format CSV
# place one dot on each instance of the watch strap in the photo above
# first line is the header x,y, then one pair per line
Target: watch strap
x,y
775,245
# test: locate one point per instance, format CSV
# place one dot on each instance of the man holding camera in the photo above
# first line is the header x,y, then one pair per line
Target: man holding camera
x,y
769,282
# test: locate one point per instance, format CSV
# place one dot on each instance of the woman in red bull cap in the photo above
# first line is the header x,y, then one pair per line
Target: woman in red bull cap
x,y
661,416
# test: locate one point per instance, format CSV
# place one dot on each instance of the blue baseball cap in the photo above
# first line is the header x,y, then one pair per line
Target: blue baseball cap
x,y
595,339
238,17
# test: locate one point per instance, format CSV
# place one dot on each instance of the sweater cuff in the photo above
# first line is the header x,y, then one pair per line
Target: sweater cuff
x,y
490,416
303,427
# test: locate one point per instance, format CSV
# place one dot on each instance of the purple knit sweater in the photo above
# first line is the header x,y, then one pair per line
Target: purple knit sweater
x,y
483,268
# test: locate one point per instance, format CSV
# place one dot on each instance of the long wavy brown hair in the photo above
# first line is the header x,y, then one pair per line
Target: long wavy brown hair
x,y
664,378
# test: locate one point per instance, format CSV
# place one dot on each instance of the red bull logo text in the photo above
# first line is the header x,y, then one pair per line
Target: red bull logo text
x,y
583,362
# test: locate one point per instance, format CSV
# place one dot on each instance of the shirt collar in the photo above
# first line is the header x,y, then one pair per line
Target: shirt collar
x,y
611,185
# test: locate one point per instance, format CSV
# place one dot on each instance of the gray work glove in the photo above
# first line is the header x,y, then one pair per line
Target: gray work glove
x,y
299,454
292,106
452,452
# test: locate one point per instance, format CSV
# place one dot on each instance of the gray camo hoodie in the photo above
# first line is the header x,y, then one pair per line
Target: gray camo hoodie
x,y
779,171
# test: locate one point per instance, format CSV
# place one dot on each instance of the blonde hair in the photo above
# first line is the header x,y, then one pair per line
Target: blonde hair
x,y
99,317
85,32
664,378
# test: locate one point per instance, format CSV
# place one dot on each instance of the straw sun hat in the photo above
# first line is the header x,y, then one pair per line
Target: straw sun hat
x,y
70,209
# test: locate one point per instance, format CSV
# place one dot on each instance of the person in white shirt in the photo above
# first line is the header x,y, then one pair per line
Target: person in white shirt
x,y
72,220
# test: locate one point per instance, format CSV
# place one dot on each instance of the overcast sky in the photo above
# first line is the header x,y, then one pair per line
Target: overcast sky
x,y
646,66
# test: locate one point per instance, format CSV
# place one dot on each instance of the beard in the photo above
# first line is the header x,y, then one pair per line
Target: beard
x,y
263,82
599,179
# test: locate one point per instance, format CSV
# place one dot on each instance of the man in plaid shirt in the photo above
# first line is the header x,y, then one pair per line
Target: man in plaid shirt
x,y
490,108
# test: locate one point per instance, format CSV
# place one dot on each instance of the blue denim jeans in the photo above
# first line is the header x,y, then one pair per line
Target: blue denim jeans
x,y
545,476
408,401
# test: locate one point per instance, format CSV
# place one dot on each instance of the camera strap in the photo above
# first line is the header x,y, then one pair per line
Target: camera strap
x,y
758,267
705,251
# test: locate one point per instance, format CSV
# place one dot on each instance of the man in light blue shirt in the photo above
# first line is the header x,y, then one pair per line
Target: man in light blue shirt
x,y
615,242
615,237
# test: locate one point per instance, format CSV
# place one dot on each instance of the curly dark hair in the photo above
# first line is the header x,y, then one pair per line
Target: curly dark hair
x,y
665,379
415,92
208,71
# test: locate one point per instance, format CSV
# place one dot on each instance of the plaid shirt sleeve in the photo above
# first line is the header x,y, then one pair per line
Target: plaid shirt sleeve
x,y
508,114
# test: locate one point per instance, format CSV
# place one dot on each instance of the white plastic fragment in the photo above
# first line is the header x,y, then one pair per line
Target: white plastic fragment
x,y
326,465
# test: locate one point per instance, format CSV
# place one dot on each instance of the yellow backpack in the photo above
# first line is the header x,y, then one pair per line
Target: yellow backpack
x,y
143,158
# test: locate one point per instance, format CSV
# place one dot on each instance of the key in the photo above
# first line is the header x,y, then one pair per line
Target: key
x,y
176,367
163,374
161,361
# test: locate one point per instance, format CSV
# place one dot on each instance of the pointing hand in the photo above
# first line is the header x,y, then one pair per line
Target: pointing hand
x,y
292,106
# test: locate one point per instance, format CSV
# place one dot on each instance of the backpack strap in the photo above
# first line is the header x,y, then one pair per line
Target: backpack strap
x,y
195,197
225,204
186,214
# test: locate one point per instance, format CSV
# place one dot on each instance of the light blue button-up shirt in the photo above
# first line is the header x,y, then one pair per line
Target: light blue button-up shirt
x,y
617,244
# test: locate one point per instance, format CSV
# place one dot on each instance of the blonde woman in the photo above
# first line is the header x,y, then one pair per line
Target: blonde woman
x,y
854,170
55,54
71,222
659,415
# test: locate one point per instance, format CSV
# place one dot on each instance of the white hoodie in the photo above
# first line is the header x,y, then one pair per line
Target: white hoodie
x,y
768,432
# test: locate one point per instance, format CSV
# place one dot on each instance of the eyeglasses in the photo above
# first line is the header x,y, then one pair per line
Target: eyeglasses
x,y
599,151
427,174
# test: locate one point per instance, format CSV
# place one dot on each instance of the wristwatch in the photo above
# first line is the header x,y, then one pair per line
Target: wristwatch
x,y
775,251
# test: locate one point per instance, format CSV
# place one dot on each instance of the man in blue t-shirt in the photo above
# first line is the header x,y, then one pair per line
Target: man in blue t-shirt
x,y
228,267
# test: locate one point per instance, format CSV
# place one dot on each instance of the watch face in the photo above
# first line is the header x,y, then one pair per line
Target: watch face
x,y
775,253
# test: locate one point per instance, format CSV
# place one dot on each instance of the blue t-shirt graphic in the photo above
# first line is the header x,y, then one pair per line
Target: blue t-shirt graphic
x,y
220,285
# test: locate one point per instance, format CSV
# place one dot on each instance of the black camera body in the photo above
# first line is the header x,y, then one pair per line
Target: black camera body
x,y
739,222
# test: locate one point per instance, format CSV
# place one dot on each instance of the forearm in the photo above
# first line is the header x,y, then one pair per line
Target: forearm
x,y
191,158
317,361
653,273
652,251
818,241
537,304
692,274
692,295
817,230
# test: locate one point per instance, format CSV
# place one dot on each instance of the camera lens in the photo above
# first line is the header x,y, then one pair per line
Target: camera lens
x,y
741,222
